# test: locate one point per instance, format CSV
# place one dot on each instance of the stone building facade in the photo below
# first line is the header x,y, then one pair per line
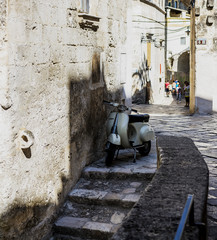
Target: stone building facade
x,y
148,63
205,56
59,60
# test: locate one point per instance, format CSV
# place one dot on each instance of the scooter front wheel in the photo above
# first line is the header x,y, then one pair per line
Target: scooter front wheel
x,y
110,153
145,149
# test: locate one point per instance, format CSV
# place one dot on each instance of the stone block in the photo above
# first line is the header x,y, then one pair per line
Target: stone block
x,y
113,196
117,218
20,10
97,226
135,184
71,222
132,198
41,13
17,31
129,190
90,194
41,53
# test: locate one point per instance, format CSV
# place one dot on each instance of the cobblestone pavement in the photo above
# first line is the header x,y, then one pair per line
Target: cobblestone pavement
x,y
175,120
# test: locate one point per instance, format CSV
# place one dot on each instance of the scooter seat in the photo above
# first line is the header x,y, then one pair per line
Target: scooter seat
x,y
138,118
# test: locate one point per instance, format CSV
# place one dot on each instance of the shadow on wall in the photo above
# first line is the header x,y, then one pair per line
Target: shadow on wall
x,y
87,119
183,63
27,222
141,84
204,106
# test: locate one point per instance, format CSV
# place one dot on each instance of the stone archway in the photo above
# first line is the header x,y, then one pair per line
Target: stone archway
x,y
183,63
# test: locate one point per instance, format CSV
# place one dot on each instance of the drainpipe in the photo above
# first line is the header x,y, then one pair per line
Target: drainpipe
x,y
165,49
192,59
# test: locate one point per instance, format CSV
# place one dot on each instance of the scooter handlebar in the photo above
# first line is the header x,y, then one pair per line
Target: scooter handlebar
x,y
134,110
120,106
111,103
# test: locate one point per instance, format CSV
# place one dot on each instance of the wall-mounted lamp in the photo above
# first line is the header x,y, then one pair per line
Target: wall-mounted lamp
x,y
147,38
187,31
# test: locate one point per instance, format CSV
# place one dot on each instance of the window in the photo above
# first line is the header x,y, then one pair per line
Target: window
x,y
85,6
183,40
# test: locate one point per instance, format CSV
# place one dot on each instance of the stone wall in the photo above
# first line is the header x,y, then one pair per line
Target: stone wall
x,y
57,65
206,46
181,171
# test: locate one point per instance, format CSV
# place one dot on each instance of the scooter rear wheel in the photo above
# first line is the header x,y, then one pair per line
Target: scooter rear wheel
x,y
110,153
145,149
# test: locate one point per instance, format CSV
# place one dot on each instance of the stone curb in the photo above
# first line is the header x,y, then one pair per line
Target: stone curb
x,y
182,171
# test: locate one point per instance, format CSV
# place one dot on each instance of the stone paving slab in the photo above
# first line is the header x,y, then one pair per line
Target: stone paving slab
x,y
97,226
83,227
84,193
71,222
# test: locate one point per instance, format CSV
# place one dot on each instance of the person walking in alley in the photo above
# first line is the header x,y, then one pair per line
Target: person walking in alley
x,y
167,88
179,93
173,88
186,93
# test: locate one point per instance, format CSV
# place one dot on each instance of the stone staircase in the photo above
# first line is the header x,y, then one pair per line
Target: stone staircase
x,y
103,197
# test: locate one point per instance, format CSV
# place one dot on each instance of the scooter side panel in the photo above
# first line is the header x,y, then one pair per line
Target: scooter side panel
x,y
143,132
123,120
147,133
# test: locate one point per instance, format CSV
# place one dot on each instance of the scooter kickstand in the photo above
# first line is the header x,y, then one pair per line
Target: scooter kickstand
x,y
117,154
134,155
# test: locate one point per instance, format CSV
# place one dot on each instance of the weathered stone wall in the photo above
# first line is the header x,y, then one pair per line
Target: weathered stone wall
x,y
206,46
56,68
181,171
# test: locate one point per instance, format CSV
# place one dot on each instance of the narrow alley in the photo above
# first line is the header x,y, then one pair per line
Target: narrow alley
x,y
174,120
103,197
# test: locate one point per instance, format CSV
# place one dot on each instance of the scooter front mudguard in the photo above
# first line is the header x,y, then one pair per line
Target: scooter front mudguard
x,y
146,133
114,139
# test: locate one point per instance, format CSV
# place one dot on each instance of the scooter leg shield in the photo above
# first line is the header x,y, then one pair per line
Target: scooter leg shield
x,y
146,133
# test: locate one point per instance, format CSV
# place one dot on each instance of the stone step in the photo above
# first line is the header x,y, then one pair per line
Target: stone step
x,y
124,167
68,237
103,192
118,173
103,198
99,213
83,228
113,185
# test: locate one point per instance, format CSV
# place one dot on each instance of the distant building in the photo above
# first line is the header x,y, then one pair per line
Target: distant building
x,y
203,55
177,29
175,4
59,60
